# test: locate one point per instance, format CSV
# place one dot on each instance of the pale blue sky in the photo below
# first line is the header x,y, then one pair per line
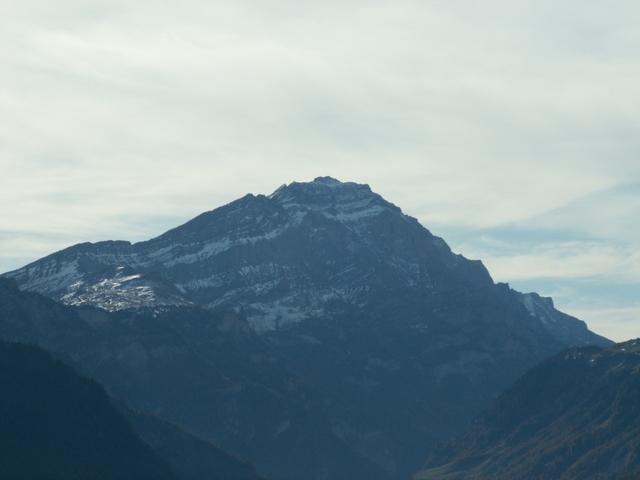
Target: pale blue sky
x,y
510,128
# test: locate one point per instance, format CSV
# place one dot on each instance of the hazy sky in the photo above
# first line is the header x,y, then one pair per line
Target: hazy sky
x,y
510,128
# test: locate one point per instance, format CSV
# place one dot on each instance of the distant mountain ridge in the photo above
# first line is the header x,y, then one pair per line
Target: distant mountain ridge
x,y
361,337
574,417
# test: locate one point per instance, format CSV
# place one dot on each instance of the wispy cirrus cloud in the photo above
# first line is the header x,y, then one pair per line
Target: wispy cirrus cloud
x,y
570,260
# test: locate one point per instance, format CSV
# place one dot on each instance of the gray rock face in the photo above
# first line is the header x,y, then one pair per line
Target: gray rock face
x,y
305,251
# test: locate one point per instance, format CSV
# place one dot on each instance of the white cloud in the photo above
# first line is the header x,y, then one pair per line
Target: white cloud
x,y
607,214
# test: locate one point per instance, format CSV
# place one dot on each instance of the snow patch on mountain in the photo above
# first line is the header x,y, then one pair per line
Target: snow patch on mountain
x,y
540,307
174,254
120,291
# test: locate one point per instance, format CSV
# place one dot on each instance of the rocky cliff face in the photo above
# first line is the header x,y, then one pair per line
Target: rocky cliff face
x,y
396,341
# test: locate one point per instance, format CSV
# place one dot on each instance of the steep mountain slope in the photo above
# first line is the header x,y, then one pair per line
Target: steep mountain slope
x,y
363,339
55,424
575,417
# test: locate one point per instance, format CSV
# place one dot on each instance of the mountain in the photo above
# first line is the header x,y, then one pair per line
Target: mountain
x,y
55,424
308,250
361,337
574,417
205,372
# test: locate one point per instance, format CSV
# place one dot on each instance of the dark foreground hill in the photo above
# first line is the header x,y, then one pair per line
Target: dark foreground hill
x,y
56,425
575,417
318,332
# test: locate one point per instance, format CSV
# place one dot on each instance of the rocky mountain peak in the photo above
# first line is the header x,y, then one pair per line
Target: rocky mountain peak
x,y
346,202
327,180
